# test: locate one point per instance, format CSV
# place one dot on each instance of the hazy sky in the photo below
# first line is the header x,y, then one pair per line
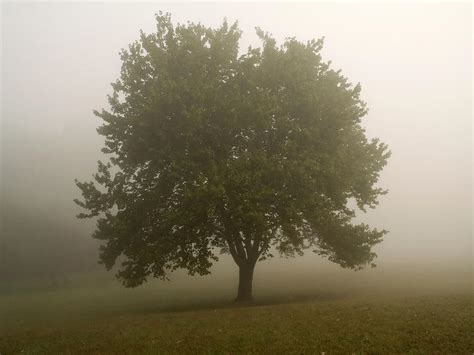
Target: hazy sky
x,y
414,62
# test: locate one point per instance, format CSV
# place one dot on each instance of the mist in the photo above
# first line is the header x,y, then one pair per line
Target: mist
x,y
414,63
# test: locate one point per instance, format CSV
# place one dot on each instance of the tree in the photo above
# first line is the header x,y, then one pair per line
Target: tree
x,y
212,151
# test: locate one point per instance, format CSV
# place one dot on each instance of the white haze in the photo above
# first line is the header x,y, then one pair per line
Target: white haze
x,y
414,62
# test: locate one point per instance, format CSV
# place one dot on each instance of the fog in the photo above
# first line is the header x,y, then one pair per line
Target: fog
x,y
414,63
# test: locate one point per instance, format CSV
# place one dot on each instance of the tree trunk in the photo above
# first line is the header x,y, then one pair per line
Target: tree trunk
x,y
244,293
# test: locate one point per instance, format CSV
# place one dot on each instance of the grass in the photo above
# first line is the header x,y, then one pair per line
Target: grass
x,y
312,312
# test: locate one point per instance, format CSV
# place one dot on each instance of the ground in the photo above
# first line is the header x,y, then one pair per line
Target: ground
x,y
312,312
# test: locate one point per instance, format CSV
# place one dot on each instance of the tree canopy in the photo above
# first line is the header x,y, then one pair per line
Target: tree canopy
x,y
213,151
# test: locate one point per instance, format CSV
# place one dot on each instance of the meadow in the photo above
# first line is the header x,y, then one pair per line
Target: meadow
x,y
396,309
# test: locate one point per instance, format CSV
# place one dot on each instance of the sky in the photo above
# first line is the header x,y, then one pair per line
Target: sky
x,y
414,62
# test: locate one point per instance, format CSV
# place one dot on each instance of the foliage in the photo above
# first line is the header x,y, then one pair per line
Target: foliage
x,y
214,151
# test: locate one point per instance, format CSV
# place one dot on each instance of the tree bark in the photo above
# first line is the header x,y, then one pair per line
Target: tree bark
x,y
244,292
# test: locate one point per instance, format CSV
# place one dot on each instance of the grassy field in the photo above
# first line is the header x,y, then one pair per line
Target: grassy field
x,y
328,311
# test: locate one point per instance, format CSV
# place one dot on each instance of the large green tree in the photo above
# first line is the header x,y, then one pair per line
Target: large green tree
x,y
213,151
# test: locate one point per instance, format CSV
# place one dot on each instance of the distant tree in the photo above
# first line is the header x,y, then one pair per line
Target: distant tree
x,y
212,151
